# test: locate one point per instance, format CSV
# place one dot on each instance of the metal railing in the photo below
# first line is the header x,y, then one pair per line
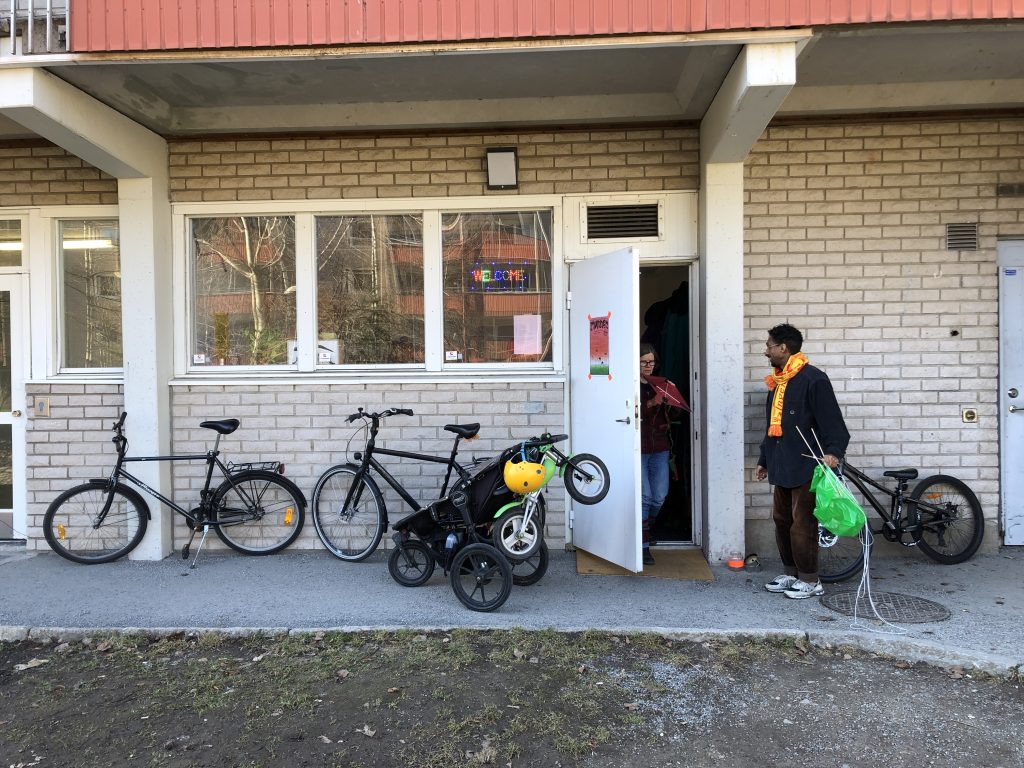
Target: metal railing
x,y
33,27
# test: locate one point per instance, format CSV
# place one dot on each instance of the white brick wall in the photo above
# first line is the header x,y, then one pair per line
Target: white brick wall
x,y
845,238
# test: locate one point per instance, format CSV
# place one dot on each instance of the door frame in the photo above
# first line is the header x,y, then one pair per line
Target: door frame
x,y
1009,253
21,345
696,398
696,466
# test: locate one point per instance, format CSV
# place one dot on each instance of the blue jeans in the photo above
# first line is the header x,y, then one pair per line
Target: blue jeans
x,y
654,488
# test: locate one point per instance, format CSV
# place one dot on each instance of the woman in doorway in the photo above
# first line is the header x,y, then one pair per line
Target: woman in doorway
x,y
660,402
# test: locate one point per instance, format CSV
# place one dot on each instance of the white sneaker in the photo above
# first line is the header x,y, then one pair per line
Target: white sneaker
x,y
801,590
780,583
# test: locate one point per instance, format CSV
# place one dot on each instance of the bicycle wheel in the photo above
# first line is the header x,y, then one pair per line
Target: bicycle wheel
x,y
411,564
587,490
529,571
257,513
354,532
839,557
74,530
512,538
481,577
952,524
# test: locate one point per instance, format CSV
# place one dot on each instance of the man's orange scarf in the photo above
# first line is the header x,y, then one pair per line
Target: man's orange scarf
x,y
778,381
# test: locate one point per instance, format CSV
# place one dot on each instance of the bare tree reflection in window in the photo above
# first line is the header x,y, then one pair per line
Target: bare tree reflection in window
x,y
370,289
244,289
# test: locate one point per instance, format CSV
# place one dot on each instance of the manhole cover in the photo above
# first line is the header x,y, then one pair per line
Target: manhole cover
x,y
890,606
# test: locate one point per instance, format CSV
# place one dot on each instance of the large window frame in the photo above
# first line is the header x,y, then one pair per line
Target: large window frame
x,y
304,214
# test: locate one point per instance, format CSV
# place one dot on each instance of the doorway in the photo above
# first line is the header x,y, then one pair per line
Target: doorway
x,y
665,322
12,399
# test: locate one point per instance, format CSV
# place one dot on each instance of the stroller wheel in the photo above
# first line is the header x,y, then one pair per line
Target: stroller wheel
x,y
529,571
481,577
513,539
411,564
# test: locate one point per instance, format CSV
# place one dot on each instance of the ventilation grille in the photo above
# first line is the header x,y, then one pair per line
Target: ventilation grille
x,y
622,222
961,237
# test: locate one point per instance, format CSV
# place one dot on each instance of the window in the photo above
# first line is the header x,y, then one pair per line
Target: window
x,y
11,244
243,298
497,287
369,288
91,299
329,290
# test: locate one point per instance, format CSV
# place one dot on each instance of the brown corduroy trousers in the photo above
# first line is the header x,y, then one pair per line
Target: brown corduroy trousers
x,y
796,531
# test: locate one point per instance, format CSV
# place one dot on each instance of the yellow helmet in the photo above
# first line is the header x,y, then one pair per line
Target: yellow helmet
x,y
524,476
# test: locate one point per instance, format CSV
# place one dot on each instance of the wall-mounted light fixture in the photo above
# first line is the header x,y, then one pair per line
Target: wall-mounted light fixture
x,y
502,168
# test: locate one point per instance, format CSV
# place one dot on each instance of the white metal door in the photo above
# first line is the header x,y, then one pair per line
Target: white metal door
x,y
604,340
13,347
1011,389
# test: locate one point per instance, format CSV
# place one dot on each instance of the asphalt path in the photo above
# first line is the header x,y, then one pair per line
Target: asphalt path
x,y
301,591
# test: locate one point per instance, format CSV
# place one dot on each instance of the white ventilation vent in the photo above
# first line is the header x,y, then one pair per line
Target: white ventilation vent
x,y
961,237
623,222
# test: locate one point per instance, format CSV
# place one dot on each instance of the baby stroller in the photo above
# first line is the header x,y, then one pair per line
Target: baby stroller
x,y
454,533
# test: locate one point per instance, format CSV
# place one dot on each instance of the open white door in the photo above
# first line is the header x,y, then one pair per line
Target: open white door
x,y
604,381
1011,386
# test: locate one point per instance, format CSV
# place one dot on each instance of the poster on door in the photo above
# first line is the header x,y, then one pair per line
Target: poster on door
x,y
599,327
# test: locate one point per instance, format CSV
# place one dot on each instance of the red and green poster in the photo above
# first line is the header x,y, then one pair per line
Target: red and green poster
x,y
599,327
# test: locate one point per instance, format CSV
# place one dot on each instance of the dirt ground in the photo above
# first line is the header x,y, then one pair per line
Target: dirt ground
x,y
491,698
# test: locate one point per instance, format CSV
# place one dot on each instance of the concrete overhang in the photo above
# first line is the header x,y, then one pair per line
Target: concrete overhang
x,y
100,135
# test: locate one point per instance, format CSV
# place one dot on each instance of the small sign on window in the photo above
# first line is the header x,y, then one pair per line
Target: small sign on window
x,y
199,359
452,356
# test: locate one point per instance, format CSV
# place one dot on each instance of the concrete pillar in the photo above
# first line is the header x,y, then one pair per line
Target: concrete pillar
x,y
145,214
721,302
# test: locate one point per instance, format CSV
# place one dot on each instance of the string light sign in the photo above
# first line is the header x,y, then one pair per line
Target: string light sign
x,y
499,277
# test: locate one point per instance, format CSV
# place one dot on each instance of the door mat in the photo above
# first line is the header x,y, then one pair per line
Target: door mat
x,y
668,564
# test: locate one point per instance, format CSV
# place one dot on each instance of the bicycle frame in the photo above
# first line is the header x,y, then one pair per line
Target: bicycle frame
x,y
895,513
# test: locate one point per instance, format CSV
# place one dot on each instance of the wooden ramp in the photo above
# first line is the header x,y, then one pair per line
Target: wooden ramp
x,y
668,564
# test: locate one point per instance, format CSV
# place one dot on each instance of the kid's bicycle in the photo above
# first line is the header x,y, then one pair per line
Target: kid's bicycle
x,y
255,510
941,516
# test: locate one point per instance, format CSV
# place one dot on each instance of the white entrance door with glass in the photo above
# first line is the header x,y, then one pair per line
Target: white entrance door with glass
x,y
13,346
1011,389
604,340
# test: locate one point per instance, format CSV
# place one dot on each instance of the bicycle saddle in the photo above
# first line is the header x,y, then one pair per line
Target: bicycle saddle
x,y
901,474
463,430
224,426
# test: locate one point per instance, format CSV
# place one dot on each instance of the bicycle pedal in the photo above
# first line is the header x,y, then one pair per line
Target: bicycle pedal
x,y
184,552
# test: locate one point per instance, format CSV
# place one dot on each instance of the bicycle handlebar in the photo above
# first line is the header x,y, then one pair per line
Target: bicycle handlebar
x,y
545,439
361,414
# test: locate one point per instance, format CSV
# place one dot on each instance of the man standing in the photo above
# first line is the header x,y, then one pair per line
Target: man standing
x,y
800,396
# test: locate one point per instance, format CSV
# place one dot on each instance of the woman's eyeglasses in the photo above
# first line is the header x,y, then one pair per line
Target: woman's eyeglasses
x,y
648,362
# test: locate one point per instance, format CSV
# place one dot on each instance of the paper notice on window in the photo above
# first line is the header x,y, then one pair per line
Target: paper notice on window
x,y
527,335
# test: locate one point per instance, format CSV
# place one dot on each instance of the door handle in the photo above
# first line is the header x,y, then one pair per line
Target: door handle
x,y
1014,409
15,413
626,420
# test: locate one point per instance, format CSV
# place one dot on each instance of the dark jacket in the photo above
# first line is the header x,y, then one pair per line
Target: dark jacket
x,y
810,404
655,422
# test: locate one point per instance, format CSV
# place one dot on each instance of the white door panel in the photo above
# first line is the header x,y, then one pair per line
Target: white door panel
x,y
604,337
1011,389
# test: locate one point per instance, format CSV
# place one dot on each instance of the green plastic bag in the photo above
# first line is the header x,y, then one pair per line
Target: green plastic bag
x,y
834,505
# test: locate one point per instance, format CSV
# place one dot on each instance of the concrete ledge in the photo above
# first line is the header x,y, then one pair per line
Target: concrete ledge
x,y
898,647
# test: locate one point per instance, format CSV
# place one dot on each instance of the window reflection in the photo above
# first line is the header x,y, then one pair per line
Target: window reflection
x,y
244,290
369,289
91,262
497,287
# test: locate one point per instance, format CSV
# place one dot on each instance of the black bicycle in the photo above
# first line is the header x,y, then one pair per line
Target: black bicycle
x,y
254,510
941,516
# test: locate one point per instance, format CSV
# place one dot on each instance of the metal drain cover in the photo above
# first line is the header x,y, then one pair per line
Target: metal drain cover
x,y
890,606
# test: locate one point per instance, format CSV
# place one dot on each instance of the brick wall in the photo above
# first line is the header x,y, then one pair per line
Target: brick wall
x,y
845,238
303,425
596,161
69,446
40,173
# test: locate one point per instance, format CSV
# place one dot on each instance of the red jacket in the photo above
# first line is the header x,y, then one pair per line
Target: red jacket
x,y
655,422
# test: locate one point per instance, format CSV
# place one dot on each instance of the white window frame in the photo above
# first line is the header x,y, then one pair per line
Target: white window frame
x,y
41,258
304,212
